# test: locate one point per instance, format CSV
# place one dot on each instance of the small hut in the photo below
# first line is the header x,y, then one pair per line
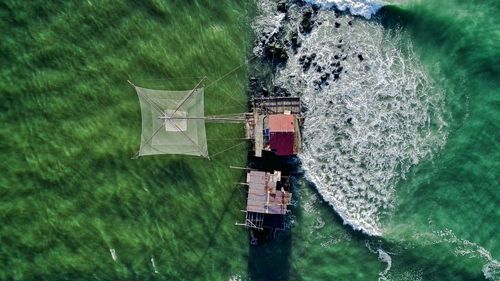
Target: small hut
x,y
267,201
281,134
274,125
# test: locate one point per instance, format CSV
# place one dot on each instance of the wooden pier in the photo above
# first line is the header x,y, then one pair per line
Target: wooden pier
x,y
267,201
277,105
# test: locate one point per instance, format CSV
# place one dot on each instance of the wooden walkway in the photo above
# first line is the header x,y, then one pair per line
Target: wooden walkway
x,y
259,134
277,105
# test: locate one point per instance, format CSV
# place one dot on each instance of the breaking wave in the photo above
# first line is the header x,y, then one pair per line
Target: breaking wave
x,y
366,129
364,8
372,110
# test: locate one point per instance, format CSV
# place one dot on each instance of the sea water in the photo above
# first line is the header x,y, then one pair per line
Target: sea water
x,y
392,143
401,167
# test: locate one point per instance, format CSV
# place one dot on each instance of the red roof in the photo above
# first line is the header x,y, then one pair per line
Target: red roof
x,y
281,123
282,143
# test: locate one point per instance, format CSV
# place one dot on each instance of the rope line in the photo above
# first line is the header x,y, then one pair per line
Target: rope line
x,y
231,71
227,139
213,155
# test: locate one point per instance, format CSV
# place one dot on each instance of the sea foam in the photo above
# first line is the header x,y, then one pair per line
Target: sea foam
x,y
374,115
364,130
463,247
364,8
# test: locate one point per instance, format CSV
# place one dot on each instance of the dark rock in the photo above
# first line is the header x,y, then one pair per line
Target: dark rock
x,y
306,65
340,69
282,6
294,38
313,55
307,22
349,120
253,83
324,76
336,57
280,92
339,46
314,63
349,23
336,76
337,25
360,57
264,92
318,68
275,53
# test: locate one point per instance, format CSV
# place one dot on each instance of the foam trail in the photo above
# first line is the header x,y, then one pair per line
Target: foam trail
x,y
154,265
365,128
113,254
364,8
491,267
385,257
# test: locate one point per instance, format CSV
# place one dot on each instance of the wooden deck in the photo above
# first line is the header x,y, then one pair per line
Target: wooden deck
x,y
297,144
277,105
263,196
259,134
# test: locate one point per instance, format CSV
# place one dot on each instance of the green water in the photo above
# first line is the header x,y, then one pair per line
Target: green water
x,y
452,201
71,123
69,191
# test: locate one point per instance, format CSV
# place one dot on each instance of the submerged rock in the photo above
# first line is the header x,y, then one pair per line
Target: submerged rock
x,y
294,38
281,92
307,22
264,92
275,53
282,6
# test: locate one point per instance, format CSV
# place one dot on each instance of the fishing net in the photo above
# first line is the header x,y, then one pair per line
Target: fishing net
x,y
172,122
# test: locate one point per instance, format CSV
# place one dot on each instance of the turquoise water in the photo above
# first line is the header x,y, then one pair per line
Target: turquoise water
x,y
74,206
448,206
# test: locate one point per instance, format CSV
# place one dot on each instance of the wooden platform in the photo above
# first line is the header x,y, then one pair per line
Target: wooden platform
x,y
263,195
297,145
277,105
259,134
